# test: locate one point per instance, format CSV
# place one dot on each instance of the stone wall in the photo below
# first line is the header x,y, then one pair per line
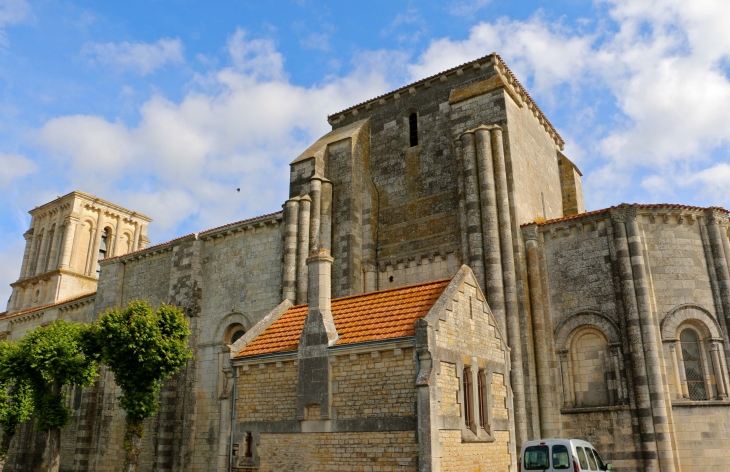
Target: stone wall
x,y
703,437
377,384
387,451
267,392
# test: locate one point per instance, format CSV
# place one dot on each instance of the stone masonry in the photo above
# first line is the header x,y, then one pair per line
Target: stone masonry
x,y
613,324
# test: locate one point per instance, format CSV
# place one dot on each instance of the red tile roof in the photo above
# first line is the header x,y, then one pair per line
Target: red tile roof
x,y
39,308
643,206
374,316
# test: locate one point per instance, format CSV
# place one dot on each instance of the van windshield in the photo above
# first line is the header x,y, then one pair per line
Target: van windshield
x,y
537,458
591,460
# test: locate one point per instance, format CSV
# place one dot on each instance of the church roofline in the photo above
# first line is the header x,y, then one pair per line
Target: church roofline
x,y
200,235
494,59
92,199
5,316
639,206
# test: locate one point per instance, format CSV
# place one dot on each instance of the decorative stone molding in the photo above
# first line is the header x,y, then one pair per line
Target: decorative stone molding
x,y
529,233
716,216
585,318
692,313
623,213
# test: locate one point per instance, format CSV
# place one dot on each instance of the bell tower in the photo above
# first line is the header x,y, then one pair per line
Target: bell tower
x,y
64,244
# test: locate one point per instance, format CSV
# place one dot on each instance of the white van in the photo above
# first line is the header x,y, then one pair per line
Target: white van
x,y
569,455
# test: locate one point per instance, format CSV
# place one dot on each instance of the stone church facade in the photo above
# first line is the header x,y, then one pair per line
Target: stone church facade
x,y
609,325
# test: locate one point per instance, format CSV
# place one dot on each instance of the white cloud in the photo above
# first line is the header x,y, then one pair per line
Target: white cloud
x,y
661,65
183,161
467,7
11,12
14,166
142,58
319,41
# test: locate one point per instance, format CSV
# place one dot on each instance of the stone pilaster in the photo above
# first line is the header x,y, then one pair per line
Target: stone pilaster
x,y
315,193
291,225
303,248
540,333
326,215
490,229
26,254
650,406
314,374
474,226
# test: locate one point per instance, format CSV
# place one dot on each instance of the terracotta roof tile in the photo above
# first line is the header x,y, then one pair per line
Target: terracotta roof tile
x,y
374,316
39,308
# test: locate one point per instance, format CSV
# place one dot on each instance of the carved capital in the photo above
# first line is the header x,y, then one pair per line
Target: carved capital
x,y
529,232
623,213
715,216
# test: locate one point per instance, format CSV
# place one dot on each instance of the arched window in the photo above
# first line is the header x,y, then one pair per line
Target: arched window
x,y
237,335
49,245
413,128
693,365
467,398
102,249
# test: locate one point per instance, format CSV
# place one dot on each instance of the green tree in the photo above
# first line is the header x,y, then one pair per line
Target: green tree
x,y
49,358
142,347
16,399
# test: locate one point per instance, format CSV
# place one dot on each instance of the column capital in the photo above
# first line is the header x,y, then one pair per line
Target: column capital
x,y
716,216
623,213
529,232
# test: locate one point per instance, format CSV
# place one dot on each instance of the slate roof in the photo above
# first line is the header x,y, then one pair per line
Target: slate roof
x,y
374,316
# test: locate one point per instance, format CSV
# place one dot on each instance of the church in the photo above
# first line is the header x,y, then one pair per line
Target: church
x,y
431,294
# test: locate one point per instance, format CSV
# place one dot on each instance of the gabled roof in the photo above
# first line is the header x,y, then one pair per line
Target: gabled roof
x,y
374,316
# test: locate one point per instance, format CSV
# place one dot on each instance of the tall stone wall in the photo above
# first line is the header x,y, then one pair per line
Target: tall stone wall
x,y
620,288
226,277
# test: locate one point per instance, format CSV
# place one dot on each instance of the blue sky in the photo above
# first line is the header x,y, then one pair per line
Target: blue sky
x,y
166,107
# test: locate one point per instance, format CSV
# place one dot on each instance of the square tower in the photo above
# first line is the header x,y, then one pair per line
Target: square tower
x,y
66,240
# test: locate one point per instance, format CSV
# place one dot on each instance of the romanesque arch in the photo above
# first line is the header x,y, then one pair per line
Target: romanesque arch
x,y
693,314
589,348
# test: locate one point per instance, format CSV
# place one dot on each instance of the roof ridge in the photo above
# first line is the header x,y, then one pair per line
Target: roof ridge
x,y
385,290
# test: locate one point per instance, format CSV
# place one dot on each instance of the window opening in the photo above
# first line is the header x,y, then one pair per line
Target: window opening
x,y
582,458
591,459
561,458
693,365
467,398
237,335
413,128
599,462
249,442
536,458
102,249
482,410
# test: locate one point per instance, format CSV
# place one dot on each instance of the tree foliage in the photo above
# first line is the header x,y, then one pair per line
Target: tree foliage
x,y
142,347
49,358
16,398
